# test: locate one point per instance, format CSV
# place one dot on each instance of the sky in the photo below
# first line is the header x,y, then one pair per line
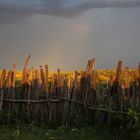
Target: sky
x,y
66,33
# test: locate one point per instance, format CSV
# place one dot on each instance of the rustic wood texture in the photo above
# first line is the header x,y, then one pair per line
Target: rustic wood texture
x,y
57,101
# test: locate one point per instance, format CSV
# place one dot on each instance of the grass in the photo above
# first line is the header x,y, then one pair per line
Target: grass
x,y
36,133
13,128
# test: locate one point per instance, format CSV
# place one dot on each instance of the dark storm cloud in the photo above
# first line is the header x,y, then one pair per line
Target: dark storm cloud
x,y
12,11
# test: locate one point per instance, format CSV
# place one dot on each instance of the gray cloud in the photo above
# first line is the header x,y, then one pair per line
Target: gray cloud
x,y
16,10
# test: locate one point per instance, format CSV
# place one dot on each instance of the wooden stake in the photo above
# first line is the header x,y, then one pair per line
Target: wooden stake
x,y
2,85
126,86
25,69
46,80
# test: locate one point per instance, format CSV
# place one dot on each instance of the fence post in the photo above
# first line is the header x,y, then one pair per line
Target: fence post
x,y
2,84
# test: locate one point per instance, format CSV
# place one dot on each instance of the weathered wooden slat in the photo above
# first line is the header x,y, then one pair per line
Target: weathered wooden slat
x,y
39,83
2,79
127,83
2,87
90,66
139,74
46,79
13,80
8,82
42,77
25,70
88,79
119,70
116,83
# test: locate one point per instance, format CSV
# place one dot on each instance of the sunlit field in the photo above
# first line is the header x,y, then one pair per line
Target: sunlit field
x,y
102,75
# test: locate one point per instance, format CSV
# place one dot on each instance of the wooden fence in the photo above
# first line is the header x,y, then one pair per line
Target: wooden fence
x,y
61,99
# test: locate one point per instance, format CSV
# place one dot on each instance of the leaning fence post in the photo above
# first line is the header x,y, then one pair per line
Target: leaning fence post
x,y
25,77
25,69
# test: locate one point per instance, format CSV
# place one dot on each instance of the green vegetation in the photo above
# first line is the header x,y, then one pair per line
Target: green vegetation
x,y
13,127
36,133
